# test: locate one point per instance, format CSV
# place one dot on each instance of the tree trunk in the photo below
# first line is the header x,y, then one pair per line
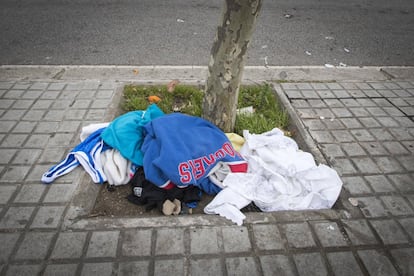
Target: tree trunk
x,y
226,65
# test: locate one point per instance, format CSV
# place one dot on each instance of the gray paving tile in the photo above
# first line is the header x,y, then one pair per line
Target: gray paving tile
x,y
30,193
397,205
23,270
52,155
344,166
353,149
6,155
377,263
69,245
306,113
380,183
341,93
26,156
42,104
13,114
169,267
56,86
48,217
369,122
344,263
204,241
69,126
355,185
332,150
371,207
324,113
16,217
8,242
22,104
299,103
359,111
60,270
314,124
381,134
388,164
210,267
103,244
46,127
374,148
98,269
298,235
333,102
329,234
37,141
333,123
95,114
401,134
241,266
24,127
105,92
6,191
133,268
407,162
351,123
60,139
59,193
136,242
14,140
403,182
15,173
6,126
276,265
404,258
267,237
395,147
366,165
408,225
236,239
342,136
322,136
75,114
389,231
34,245
169,241
34,115
310,264
341,112
350,102
362,135
359,232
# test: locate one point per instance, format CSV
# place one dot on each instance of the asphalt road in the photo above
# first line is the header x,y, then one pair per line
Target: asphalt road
x,y
181,32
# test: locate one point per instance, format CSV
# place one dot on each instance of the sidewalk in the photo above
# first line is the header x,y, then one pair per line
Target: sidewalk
x,y
358,120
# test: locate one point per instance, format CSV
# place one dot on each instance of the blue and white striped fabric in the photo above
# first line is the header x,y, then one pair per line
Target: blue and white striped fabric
x,y
87,154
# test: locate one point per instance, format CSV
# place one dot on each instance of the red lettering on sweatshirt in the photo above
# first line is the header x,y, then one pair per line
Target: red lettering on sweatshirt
x,y
196,168
185,175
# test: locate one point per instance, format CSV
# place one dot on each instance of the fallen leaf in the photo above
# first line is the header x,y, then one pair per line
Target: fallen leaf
x,y
135,71
154,99
171,85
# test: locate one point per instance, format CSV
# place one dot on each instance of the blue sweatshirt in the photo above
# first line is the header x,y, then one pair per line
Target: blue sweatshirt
x,y
182,149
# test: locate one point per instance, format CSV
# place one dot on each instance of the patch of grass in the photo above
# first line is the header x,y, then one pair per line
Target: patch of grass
x,y
268,113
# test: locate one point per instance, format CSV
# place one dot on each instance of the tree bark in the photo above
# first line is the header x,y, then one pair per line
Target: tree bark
x,y
226,64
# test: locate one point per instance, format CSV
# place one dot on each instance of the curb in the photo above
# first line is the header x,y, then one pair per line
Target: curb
x,y
191,74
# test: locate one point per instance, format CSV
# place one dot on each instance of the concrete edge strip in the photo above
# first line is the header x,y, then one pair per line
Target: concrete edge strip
x,y
159,73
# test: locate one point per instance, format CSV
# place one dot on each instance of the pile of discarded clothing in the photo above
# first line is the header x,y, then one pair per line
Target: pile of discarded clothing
x,y
171,159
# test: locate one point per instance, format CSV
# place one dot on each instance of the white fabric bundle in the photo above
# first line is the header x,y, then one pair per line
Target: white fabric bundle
x,y
280,177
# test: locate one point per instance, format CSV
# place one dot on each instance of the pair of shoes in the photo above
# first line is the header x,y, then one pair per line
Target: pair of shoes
x,y
171,207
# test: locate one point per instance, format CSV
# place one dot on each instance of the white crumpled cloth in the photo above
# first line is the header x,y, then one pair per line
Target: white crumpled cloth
x,y
280,177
